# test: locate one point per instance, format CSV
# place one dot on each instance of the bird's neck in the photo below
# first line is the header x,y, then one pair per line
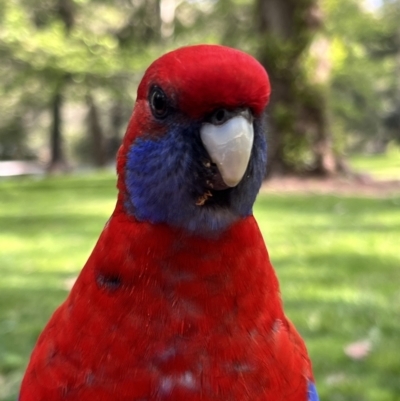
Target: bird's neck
x,y
227,277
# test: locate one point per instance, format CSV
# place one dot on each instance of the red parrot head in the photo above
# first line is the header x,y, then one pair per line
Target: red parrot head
x,y
194,153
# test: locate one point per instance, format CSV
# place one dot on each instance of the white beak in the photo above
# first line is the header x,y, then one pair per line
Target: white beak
x,y
229,147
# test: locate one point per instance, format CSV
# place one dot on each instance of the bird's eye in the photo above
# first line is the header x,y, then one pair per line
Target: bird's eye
x,y
220,116
158,103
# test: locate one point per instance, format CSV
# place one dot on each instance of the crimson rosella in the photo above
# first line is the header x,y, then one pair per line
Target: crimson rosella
x,y
178,300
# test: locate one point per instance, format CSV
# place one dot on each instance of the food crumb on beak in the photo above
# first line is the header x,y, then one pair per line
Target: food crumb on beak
x,y
203,198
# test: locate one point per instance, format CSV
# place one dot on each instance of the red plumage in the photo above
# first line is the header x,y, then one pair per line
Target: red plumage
x,y
160,314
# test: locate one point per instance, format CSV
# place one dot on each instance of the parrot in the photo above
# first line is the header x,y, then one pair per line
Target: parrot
x,y
178,299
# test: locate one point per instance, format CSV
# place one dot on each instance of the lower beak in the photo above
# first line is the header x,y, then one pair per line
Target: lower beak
x,y
229,147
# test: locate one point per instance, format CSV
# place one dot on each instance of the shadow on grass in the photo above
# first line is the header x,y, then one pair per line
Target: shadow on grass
x,y
336,299
23,315
335,257
321,307
352,228
314,205
337,266
24,226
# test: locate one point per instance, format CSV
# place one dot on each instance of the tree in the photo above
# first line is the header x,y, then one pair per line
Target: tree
x,y
64,10
390,52
331,65
299,127
55,45
358,73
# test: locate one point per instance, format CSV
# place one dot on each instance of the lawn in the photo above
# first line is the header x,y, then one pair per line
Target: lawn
x,y
337,259
385,166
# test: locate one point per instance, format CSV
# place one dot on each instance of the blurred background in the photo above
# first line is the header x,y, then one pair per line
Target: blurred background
x,y
330,206
69,70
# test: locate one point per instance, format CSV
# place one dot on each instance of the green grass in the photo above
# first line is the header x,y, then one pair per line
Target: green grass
x,y
380,166
337,259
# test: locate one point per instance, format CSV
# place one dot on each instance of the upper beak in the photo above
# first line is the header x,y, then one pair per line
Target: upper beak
x,y
229,144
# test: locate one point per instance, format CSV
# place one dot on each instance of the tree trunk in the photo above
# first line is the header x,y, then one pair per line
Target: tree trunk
x,y
117,123
57,158
66,12
65,9
298,118
96,133
143,26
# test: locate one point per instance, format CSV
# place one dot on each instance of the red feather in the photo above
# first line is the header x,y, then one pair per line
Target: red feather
x,y
234,341
158,314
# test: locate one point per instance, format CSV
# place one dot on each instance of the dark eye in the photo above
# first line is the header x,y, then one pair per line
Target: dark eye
x,y
158,103
220,116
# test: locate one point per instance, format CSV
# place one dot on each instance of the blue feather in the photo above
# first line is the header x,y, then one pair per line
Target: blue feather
x,y
312,392
162,178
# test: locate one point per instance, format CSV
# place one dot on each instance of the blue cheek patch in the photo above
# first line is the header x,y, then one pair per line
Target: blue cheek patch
x,y
162,186
312,392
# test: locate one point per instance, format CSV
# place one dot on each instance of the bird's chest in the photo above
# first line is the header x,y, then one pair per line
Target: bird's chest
x,y
186,339
191,324
198,358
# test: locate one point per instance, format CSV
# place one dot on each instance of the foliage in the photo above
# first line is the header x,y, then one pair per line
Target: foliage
x,y
336,258
42,53
364,82
98,49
